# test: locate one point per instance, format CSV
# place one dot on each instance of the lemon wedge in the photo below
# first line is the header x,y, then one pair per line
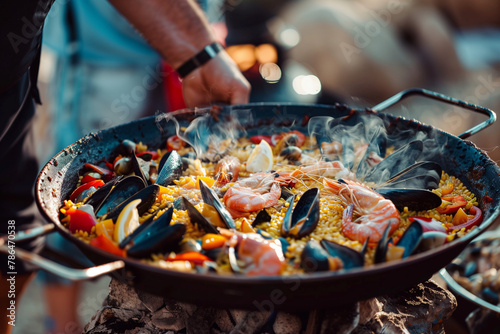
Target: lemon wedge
x,y
127,221
261,158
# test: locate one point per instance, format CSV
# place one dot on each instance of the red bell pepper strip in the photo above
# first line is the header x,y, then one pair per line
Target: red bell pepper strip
x,y
258,138
175,143
429,224
451,204
97,184
106,244
89,178
98,169
194,257
478,219
80,220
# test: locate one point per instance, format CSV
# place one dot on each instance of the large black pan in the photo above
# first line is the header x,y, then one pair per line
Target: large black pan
x,y
322,290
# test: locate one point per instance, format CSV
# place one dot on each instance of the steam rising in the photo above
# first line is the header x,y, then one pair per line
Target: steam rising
x,y
362,147
360,142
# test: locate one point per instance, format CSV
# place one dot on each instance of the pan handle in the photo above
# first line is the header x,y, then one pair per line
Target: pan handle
x,y
446,99
8,246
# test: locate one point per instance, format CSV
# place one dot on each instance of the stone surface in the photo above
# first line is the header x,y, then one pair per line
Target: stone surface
x,y
420,309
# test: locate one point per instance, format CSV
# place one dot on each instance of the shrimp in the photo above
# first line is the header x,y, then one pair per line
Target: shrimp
x,y
254,193
325,169
375,212
227,169
260,257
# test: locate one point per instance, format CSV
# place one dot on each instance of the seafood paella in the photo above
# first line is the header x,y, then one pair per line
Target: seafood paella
x,y
279,204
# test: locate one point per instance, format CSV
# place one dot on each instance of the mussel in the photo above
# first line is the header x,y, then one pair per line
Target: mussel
x,y
211,198
413,199
122,190
158,237
328,255
303,219
147,196
197,218
408,243
170,168
395,163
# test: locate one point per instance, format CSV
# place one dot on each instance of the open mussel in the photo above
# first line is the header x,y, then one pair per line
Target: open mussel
x,y
100,194
158,237
303,219
147,196
328,255
197,218
211,198
411,187
393,164
170,168
413,199
420,175
406,246
130,163
124,189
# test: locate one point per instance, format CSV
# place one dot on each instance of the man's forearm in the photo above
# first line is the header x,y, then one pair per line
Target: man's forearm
x,y
176,28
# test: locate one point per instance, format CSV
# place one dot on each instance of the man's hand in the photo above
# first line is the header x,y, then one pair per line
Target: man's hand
x,y
219,80
179,30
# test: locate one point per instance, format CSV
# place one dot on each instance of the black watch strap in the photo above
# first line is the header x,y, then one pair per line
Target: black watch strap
x,y
209,52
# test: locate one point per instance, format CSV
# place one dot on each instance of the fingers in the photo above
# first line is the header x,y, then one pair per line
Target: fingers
x,y
218,81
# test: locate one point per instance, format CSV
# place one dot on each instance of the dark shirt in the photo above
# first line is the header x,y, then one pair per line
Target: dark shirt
x,y
21,25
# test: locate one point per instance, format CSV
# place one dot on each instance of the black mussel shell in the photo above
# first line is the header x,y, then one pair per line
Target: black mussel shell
x,y
211,198
147,196
413,199
350,257
383,244
122,190
291,153
410,240
306,213
137,231
405,156
421,175
127,147
314,257
158,237
170,168
286,193
262,217
179,204
189,245
197,218
97,197
287,220
136,165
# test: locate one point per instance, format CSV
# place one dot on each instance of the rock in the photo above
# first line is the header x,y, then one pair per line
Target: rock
x,y
420,309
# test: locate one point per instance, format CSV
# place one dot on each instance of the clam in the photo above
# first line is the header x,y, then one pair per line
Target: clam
x,y
303,219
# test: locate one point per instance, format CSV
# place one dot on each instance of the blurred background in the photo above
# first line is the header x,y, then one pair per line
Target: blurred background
x,y
97,72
